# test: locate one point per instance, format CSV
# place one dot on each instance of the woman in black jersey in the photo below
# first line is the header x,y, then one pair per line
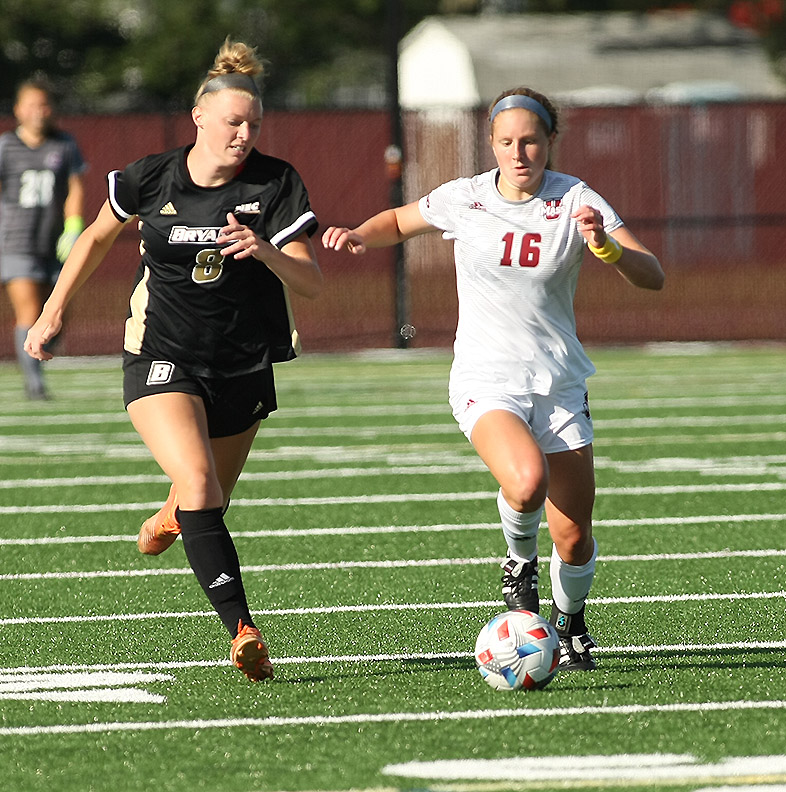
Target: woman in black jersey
x,y
225,232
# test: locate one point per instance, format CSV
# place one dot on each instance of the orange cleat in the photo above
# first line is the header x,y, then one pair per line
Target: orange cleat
x,y
160,531
250,654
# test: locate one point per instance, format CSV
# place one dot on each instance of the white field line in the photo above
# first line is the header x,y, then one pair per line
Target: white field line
x,y
628,711
387,608
109,447
453,463
292,532
8,442
92,508
128,695
387,454
50,445
374,411
17,683
768,438
115,687
414,497
36,441
394,529
387,564
672,421
378,530
446,426
621,771
427,408
167,666
468,464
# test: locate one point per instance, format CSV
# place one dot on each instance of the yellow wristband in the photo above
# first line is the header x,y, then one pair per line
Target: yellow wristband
x,y
610,252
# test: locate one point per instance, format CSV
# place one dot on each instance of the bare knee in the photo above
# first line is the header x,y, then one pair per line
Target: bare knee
x,y
574,544
526,490
199,490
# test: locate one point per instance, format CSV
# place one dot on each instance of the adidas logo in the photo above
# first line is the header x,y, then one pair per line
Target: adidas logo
x,y
256,409
221,580
168,209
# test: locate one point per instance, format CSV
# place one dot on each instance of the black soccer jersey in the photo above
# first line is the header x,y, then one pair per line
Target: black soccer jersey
x,y
191,305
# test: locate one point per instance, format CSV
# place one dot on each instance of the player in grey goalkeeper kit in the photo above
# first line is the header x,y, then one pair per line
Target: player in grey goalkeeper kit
x,y
41,204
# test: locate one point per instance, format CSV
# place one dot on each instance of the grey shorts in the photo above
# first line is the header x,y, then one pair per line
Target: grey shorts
x,y
41,270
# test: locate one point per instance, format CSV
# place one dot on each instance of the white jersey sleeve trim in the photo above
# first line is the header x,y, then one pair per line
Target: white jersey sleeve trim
x,y
120,213
294,229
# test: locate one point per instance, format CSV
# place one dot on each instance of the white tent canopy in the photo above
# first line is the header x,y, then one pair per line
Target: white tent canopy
x,y
463,62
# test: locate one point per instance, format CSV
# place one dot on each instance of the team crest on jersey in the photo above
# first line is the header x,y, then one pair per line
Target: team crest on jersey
x,y
187,235
552,208
53,160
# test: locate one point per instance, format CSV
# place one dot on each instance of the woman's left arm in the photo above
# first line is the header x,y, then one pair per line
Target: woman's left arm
x,y
74,205
638,265
295,263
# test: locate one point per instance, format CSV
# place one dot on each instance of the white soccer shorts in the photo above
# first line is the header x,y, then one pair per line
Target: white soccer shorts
x,y
558,421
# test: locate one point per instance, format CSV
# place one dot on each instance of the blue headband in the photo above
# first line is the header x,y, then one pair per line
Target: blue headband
x,y
238,80
525,103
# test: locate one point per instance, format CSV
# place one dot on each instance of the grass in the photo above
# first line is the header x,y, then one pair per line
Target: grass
x,y
368,534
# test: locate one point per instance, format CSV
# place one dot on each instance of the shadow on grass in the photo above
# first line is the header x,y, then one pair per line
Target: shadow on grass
x,y
677,659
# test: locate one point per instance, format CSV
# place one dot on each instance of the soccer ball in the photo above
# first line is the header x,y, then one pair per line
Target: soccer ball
x,y
517,649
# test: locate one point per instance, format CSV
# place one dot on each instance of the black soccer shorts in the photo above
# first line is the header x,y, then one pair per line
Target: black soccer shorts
x,y
232,404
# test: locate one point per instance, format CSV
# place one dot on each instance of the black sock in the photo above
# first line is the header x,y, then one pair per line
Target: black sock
x,y
568,623
212,555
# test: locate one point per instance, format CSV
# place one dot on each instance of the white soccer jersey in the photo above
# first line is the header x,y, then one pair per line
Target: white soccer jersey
x,y
517,264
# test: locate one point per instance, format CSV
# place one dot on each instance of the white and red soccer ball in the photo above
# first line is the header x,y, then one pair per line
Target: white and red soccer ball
x,y
517,649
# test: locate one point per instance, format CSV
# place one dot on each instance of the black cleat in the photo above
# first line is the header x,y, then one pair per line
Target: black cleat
x,y
520,584
574,654
574,640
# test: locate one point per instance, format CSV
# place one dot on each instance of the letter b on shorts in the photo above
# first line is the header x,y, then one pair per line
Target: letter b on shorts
x,y
160,373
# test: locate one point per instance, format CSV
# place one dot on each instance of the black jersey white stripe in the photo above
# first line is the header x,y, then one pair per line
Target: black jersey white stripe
x,y
211,314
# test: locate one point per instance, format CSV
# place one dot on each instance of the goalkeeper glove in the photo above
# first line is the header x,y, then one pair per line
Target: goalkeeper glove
x,y
72,228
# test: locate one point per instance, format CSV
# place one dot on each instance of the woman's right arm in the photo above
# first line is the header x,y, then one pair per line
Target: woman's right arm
x,y
88,252
382,230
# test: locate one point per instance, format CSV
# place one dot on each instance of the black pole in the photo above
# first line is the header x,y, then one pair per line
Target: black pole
x,y
394,157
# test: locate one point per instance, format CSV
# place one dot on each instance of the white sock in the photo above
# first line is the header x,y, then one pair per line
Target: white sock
x,y
520,529
570,584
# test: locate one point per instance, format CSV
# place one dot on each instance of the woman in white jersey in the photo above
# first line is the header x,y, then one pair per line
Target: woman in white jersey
x,y
517,384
